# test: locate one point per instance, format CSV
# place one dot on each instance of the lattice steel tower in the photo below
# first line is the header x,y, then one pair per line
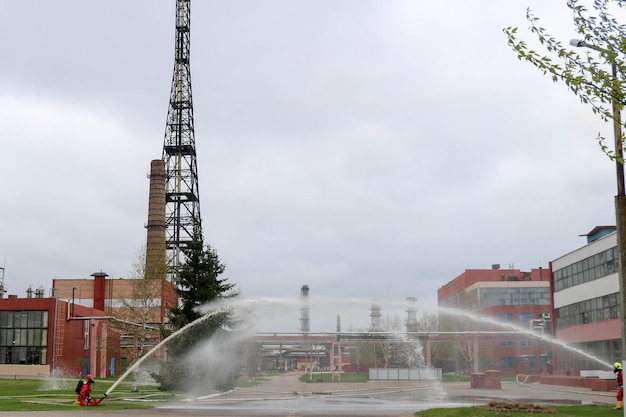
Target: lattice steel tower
x,y
182,217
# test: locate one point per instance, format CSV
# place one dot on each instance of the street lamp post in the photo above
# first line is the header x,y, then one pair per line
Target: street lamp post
x,y
620,198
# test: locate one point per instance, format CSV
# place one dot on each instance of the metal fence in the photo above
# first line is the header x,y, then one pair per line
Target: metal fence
x,y
404,374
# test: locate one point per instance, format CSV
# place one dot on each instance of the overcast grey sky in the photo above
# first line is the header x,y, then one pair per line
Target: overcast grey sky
x,y
372,149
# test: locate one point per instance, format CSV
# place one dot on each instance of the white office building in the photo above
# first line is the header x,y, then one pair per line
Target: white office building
x,y
586,302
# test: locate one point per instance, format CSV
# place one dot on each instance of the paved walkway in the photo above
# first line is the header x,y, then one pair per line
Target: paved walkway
x,y
285,395
288,385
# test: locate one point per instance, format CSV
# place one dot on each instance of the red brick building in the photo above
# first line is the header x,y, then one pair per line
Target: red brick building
x,y
136,300
134,308
92,325
511,301
39,336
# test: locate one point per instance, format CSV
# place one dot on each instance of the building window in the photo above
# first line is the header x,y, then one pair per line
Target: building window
x,y
514,296
506,317
507,343
507,362
525,318
589,269
589,311
127,341
24,337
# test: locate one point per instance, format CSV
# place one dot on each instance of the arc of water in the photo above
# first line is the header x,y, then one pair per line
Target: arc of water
x,y
517,329
160,344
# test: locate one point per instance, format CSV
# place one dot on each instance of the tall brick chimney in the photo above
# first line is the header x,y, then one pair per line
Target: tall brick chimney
x,y
98,289
155,267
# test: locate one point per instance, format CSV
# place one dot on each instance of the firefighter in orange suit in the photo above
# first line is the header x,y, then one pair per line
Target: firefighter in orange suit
x,y
617,370
84,396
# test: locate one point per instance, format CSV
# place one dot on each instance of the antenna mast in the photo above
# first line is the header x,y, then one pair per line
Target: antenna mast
x,y
182,216
2,287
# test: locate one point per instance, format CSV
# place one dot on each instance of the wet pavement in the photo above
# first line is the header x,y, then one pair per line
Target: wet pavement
x,y
285,395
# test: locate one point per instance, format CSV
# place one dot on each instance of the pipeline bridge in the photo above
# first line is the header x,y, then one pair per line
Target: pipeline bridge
x,y
327,349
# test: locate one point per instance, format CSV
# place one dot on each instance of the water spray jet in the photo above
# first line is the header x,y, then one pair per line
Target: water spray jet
x,y
518,329
162,343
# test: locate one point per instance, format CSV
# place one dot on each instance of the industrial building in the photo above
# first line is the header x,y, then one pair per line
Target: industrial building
x,y
40,336
498,300
92,325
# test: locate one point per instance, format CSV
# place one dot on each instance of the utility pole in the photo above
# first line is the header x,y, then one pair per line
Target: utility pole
x,y
620,198
182,216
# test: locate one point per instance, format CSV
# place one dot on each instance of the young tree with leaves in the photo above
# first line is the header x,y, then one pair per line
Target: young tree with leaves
x,y
140,312
597,77
138,309
596,74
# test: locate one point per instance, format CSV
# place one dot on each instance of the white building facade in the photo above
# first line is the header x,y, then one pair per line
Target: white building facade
x,y
586,302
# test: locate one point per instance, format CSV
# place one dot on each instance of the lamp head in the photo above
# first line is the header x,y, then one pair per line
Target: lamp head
x,y
579,43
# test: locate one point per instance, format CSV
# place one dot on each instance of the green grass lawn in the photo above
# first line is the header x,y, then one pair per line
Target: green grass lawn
x,y
467,378
327,377
58,394
455,378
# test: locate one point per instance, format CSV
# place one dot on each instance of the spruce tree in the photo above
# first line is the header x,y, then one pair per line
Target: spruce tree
x,y
199,284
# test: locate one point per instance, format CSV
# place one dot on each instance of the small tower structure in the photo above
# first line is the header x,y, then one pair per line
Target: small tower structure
x,y
305,325
375,316
411,316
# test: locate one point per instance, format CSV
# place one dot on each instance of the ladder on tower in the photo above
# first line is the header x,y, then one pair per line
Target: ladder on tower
x,y
59,330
